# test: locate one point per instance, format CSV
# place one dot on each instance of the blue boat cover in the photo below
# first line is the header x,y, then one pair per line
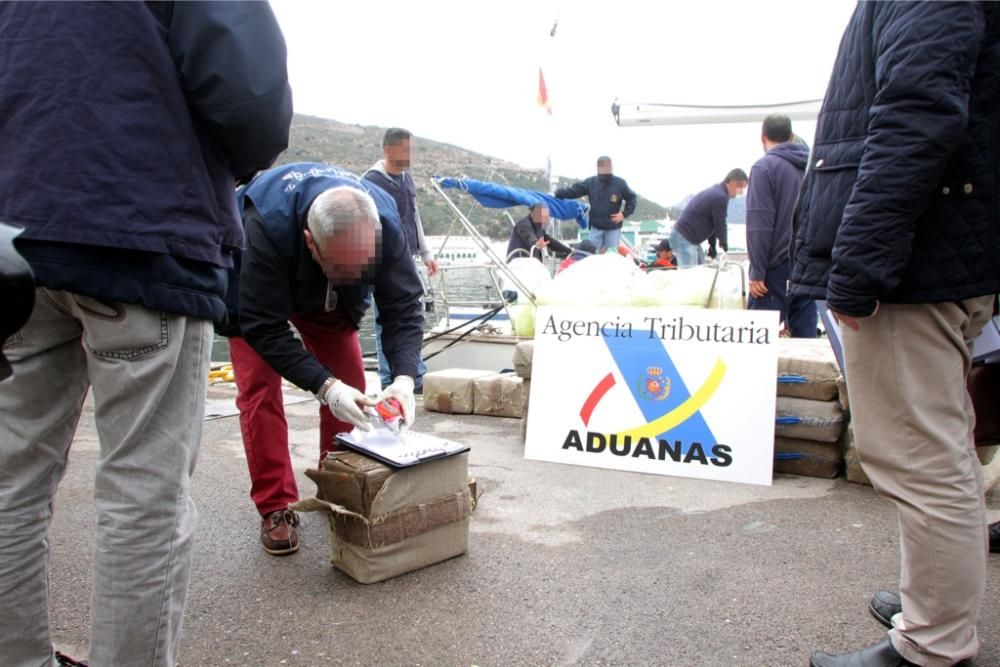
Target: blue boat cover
x,y
493,195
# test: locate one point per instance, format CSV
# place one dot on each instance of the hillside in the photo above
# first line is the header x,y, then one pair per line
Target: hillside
x,y
357,147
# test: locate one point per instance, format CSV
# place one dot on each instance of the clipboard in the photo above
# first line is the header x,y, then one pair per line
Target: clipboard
x,y
399,450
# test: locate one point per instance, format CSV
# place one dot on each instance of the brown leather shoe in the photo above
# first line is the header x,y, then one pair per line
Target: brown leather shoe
x,y
278,533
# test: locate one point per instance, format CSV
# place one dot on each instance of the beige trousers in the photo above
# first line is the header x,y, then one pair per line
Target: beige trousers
x,y
913,420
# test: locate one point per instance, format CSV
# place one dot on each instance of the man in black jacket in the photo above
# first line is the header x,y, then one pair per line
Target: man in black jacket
x,y
319,242
529,238
896,227
611,201
705,219
125,127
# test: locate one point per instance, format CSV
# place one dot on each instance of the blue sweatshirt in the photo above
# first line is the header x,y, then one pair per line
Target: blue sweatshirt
x,y
771,196
705,216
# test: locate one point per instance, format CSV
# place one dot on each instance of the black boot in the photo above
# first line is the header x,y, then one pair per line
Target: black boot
x,y
878,655
884,606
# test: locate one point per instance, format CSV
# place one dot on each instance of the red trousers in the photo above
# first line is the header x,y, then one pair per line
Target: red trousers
x,y
333,340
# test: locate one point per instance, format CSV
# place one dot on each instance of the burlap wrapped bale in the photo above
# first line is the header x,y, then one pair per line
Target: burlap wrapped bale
x,y
794,456
386,522
807,368
852,465
498,395
809,420
451,391
523,354
525,398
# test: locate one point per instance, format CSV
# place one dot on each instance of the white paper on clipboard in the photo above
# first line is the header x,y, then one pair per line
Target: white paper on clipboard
x,y
399,450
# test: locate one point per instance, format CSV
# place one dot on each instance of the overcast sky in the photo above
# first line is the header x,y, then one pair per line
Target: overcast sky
x,y
466,73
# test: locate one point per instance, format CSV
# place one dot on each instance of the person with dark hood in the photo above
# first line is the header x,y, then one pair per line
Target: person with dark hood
x,y
611,201
771,195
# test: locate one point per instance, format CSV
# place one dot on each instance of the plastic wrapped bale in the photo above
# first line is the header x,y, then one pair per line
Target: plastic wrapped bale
x,y
809,420
498,395
689,287
599,280
524,352
450,390
807,368
809,458
386,522
531,273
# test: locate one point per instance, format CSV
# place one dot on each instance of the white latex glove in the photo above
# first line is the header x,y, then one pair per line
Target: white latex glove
x,y
343,400
402,390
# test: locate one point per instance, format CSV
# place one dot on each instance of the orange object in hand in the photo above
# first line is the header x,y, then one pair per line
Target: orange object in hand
x,y
390,411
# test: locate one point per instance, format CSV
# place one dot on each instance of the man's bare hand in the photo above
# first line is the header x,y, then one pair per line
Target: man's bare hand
x,y
758,289
432,266
617,217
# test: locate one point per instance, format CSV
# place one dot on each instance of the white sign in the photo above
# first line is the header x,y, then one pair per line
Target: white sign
x,y
666,390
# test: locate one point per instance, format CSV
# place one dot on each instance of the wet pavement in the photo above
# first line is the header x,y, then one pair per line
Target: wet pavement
x,y
567,566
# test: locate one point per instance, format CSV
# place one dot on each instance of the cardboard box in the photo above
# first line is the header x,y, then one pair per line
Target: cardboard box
x,y
807,368
809,458
809,420
450,390
386,522
498,395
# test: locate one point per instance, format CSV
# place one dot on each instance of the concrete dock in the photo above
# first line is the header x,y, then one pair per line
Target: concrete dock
x,y
567,566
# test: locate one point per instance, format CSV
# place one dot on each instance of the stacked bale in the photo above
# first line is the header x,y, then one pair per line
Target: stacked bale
x,y
811,411
468,391
524,353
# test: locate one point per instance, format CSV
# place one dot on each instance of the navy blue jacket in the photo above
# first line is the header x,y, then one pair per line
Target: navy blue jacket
x,y
606,197
279,277
705,216
123,127
404,193
900,201
771,196
524,236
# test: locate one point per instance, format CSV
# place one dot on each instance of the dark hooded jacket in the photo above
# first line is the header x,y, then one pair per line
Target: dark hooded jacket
x,y
900,202
771,195
123,128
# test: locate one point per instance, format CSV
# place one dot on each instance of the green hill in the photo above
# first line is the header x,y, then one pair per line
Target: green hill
x,y
357,147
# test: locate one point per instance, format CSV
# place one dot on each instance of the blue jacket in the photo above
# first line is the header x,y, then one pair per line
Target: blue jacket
x,y
123,127
278,276
771,196
900,202
606,197
705,216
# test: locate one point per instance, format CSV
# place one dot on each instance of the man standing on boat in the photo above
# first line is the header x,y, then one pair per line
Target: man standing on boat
x,y
392,174
319,240
773,190
529,236
704,218
611,201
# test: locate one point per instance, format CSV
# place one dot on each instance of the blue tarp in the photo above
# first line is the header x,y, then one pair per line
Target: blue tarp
x,y
493,195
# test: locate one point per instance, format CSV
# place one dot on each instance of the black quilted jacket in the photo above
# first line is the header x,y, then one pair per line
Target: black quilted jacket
x,y
900,201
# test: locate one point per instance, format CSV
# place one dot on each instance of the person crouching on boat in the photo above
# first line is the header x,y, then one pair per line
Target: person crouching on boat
x,y
318,241
529,238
